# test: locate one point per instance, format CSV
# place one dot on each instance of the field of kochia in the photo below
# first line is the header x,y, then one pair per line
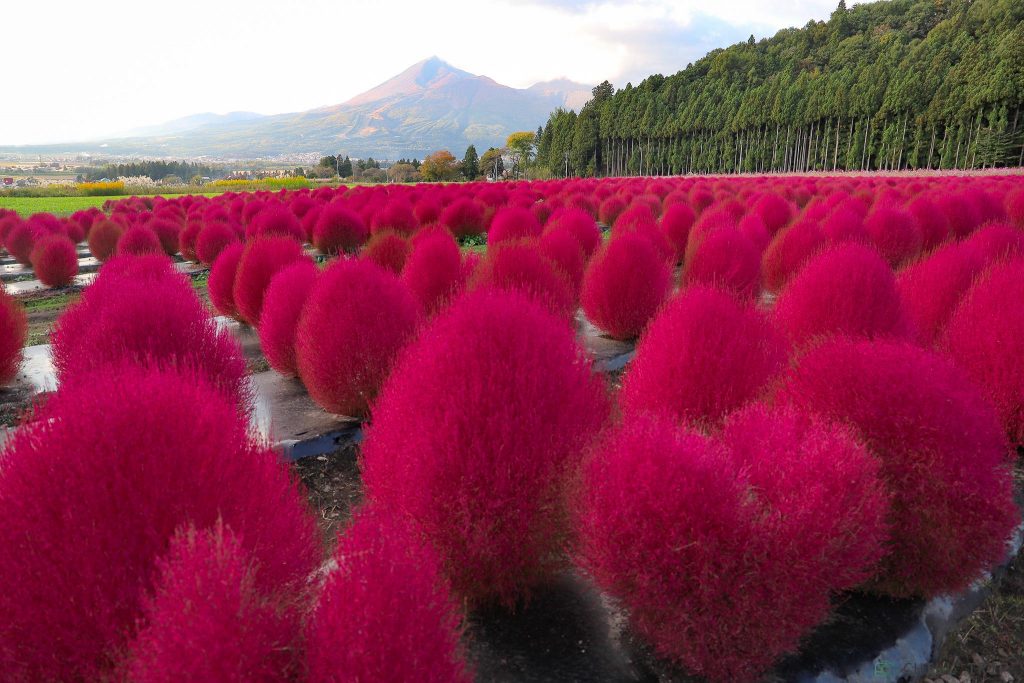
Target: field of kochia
x,y
826,399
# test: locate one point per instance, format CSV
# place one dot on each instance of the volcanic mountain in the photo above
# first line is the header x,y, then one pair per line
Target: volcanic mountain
x,y
430,106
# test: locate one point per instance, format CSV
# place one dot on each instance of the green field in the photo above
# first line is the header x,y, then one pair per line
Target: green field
x,y
61,206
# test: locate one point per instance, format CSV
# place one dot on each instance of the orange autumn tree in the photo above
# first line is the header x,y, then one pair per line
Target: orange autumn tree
x,y
440,166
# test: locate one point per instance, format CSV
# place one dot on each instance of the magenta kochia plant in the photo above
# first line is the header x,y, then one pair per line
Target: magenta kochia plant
x,y
624,285
357,318
385,612
13,330
128,458
388,249
338,229
208,621
512,223
847,290
433,271
944,457
278,220
137,241
474,438
260,260
286,295
147,318
221,283
103,238
55,260
520,266
788,251
725,554
728,259
985,337
580,225
213,238
704,355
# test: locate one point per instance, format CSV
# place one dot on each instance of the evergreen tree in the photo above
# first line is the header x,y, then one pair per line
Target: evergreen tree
x,y
470,164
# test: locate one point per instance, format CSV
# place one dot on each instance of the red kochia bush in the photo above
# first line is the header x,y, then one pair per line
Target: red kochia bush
x,y
848,290
788,252
19,241
213,239
207,621
703,356
388,250
511,223
433,271
168,232
580,225
260,260
726,555
356,320
895,233
138,240
282,306
338,229
221,283
276,219
13,329
464,217
676,223
1015,206
944,458
187,240
624,285
985,337
474,435
149,322
564,251
140,453
55,260
385,613
726,258
520,266
932,287
395,215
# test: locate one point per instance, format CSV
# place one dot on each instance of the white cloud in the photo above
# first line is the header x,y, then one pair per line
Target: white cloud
x,y
78,70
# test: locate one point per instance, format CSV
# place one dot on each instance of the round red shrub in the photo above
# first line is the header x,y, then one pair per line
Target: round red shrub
x,y
276,219
726,258
512,223
213,239
138,240
611,208
676,223
519,266
475,435
704,355
774,211
931,221
395,215
158,322
943,455
338,229
187,240
1015,206
464,217
387,601
862,302
789,251
895,233
19,242
624,285
564,251
355,321
221,283
286,295
985,337
207,621
260,260
725,556
55,260
580,225
168,232
433,271
387,249
13,331
140,452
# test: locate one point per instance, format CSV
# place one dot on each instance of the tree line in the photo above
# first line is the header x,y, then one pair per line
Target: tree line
x,y
903,84
185,171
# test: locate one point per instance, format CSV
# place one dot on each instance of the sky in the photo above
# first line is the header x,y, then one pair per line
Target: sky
x,y
74,71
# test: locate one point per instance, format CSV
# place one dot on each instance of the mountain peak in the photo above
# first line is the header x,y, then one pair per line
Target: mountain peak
x,y
429,73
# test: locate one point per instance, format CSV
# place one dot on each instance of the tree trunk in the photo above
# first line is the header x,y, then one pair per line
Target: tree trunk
x,y
931,148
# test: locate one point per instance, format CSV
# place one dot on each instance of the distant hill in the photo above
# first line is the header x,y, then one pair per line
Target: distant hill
x,y
429,106
879,86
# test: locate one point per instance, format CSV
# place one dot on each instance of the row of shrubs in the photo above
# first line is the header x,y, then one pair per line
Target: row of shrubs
x,y
757,461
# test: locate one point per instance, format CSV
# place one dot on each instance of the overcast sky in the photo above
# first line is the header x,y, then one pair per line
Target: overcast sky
x,y
75,70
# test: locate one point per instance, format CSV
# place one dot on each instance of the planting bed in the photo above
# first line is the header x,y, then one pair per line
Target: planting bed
x,y
738,430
